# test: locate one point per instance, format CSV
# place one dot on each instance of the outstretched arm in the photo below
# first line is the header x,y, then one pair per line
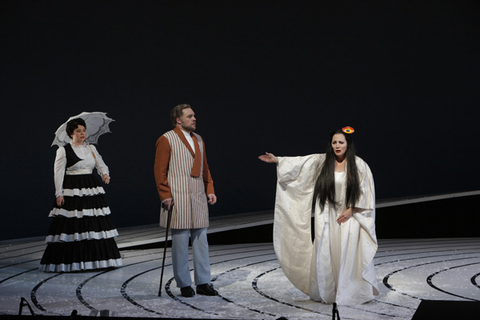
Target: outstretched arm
x,y
268,158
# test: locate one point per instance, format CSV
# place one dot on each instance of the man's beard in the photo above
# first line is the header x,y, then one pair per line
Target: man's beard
x,y
189,129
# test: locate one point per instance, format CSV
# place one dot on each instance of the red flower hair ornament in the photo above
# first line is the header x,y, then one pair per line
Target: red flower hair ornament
x,y
348,130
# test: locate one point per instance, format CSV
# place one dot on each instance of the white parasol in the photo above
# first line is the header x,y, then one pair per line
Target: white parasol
x,y
97,124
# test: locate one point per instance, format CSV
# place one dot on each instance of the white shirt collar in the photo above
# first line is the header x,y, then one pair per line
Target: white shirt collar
x,y
189,139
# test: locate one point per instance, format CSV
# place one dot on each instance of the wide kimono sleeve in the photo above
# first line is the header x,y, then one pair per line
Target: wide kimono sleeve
x,y
365,215
296,178
365,206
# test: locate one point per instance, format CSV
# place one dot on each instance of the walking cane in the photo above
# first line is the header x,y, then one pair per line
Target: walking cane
x,y
169,218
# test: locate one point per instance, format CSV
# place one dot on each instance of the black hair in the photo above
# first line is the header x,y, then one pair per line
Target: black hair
x,y
325,185
73,124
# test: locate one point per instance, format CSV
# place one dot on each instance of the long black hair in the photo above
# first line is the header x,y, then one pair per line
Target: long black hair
x,y
325,185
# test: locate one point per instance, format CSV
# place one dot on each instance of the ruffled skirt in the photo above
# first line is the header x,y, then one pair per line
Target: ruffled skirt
x,y
81,235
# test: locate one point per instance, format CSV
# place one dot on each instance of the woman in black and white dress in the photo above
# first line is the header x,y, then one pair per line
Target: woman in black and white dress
x,y
81,236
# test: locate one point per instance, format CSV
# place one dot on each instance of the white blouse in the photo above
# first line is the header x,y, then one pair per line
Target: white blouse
x,y
87,164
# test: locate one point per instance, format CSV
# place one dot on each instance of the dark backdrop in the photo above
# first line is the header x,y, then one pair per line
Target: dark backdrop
x,y
273,76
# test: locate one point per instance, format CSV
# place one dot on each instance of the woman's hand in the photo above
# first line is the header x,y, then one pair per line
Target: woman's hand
x,y
106,178
60,201
268,158
345,215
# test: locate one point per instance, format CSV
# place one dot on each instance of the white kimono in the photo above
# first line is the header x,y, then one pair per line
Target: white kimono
x,y
338,266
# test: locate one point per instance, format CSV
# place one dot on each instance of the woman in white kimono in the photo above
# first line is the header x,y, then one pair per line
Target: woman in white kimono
x,y
338,186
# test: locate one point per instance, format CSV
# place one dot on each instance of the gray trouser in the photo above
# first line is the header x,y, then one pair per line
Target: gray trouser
x,y
201,260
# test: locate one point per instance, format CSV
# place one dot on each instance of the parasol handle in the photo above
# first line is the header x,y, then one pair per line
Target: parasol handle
x,y
93,153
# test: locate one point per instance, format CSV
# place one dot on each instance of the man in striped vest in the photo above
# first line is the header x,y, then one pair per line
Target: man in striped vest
x,y
184,183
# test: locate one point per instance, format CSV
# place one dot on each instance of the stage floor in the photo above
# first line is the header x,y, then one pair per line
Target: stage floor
x,y
249,280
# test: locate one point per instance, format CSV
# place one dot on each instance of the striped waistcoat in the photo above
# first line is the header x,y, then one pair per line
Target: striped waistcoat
x,y
190,210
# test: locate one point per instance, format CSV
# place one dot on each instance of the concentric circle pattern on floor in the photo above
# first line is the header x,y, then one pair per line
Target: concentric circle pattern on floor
x,y
249,280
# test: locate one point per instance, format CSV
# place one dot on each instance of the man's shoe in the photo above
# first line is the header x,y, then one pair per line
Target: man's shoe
x,y
207,290
187,292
